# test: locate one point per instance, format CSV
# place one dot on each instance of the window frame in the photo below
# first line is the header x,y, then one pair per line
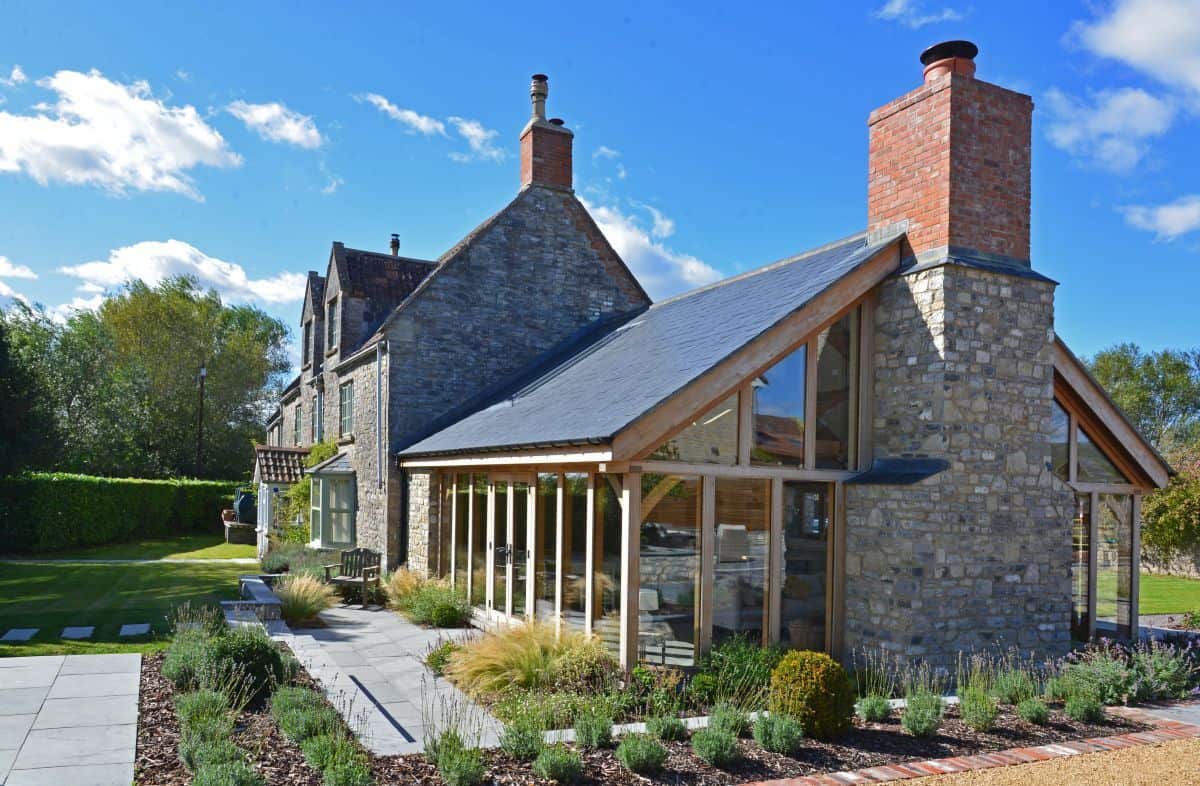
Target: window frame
x,y
332,330
321,511
298,427
346,409
306,352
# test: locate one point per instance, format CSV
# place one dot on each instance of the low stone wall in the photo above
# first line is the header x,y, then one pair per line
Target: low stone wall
x,y
1187,565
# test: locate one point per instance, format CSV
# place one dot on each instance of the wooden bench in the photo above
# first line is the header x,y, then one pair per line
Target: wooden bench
x,y
358,566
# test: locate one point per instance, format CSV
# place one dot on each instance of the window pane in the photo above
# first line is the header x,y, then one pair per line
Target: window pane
x,y
779,412
520,546
1080,566
461,532
445,524
1114,561
740,558
479,539
341,529
805,545
500,546
1060,439
314,513
835,369
1094,466
575,537
606,587
712,439
669,562
546,546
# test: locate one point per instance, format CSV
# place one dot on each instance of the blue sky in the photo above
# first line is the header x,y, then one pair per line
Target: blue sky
x,y
236,141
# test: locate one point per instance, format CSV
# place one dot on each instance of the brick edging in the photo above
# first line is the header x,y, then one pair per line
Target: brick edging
x,y
1164,731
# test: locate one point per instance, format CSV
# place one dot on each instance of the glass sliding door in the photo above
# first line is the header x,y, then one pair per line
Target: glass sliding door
x,y
1114,562
741,558
546,546
575,549
445,524
519,550
500,546
1081,568
479,540
805,557
669,560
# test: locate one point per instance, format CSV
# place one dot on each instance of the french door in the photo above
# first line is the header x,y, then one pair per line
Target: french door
x,y
511,517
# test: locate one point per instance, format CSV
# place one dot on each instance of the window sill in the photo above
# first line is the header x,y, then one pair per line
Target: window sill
x,y
347,439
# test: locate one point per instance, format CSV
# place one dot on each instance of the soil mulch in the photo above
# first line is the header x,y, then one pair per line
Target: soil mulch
x,y
867,745
277,758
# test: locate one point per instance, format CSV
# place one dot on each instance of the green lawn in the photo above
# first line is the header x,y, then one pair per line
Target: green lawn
x,y
50,597
1159,594
182,547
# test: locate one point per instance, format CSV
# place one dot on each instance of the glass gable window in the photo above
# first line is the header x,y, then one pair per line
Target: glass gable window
x,y
346,409
669,562
779,401
836,355
711,439
1092,465
1060,440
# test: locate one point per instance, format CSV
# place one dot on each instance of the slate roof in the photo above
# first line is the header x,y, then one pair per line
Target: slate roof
x,y
316,284
279,464
339,464
606,383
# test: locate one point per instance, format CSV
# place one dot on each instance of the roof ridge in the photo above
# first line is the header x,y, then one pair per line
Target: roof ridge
x,y
764,268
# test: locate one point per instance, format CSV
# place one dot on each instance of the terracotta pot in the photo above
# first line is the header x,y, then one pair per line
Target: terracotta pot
x,y
228,515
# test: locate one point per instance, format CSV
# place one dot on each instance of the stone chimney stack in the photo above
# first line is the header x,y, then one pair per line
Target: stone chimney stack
x,y
951,161
395,244
545,144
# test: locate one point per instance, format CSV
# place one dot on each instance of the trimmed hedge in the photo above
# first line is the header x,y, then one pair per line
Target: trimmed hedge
x,y
53,511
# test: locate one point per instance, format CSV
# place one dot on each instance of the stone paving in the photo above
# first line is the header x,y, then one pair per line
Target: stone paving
x,y
68,719
76,632
370,664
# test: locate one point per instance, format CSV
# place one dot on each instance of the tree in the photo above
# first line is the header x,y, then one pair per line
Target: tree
x,y
27,429
122,382
1171,516
1158,391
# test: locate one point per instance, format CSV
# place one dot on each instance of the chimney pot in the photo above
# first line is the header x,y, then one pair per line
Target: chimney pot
x,y
539,91
949,57
545,144
557,121
395,244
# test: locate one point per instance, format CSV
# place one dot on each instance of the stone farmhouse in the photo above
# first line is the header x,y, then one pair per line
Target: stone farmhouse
x,y
878,442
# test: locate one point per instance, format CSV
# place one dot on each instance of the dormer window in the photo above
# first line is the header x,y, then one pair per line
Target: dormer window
x,y
331,325
307,351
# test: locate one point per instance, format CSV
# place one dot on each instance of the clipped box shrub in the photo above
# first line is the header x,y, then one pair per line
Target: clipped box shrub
x,y
814,689
642,754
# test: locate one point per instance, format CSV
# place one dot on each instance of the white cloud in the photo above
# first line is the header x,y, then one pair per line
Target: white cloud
x,y
912,13
15,77
114,136
661,270
1168,221
1160,38
63,311
274,122
479,139
621,172
663,226
416,122
152,261
183,76
605,152
10,270
1112,130
333,185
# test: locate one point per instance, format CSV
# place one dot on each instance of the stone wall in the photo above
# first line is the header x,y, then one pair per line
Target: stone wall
x,y
1187,564
977,555
423,512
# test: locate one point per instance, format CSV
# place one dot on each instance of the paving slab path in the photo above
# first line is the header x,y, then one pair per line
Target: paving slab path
x,y
68,719
370,664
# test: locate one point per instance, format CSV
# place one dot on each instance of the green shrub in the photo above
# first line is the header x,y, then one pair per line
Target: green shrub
x,y
228,774
1163,671
815,690
873,709
778,734
439,606
439,656
1034,710
1014,686
702,691
294,697
666,728
557,710
279,557
977,708
245,657
558,763
46,512
923,713
349,772
321,751
740,669
1083,705
184,657
522,738
1056,689
593,728
460,766
716,747
207,729
642,754
196,753
586,667
200,704
304,723
726,717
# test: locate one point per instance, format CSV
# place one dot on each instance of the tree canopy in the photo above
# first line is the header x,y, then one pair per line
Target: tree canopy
x,y
122,383
1158,391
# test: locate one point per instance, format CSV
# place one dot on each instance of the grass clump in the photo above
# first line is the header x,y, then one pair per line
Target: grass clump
x,y
558,763
716,747
593,729
642,754
667,728
778,734
1034,710
736,670
303,598
531,657
236,773
438,656
977,708
873,708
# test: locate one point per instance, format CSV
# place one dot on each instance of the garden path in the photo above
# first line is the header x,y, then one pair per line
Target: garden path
x,y
68,719
165,561
370,664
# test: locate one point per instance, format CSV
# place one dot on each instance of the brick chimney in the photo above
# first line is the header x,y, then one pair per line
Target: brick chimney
x,y
952,160
545,144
